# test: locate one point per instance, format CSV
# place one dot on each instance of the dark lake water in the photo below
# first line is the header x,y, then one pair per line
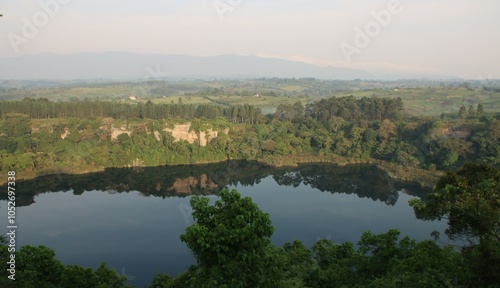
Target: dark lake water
x,y
132,218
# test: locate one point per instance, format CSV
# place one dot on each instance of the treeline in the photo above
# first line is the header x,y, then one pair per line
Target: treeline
x,y
42,108
353,109
348,108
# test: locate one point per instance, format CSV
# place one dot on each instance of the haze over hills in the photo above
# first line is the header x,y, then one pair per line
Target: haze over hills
x,y
130,66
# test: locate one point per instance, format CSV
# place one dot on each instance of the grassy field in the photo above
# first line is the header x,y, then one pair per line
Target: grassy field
x,y
175,100
435,101
423,101
266,103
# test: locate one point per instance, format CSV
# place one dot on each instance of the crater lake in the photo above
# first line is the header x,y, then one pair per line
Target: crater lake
x,y
131,218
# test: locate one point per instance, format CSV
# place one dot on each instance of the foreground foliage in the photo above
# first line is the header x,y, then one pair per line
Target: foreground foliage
x,y
470,200
230,241
36,267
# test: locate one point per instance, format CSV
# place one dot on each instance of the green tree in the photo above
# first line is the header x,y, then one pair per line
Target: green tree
x,y
471,111
16,125
386,129
387,262
76,276
298,110
38,267
334,264
161,280
470,200
480,110
268,145
462,113
109,278
450,158
296,263
231,243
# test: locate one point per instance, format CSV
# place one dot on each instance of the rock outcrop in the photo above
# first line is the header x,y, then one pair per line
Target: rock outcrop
x,y
181,132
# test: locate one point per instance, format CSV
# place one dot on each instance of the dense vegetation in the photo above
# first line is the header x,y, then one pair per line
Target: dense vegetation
x,y
341,130
36,267
470,200
348,108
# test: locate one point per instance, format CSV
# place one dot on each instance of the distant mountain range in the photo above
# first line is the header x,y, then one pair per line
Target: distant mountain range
x,y
134,66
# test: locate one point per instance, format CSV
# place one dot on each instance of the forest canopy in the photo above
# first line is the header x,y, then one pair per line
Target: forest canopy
x,y
39,136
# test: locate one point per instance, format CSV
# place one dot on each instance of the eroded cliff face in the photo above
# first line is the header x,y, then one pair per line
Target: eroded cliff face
x,y
66,133
117,131
181,132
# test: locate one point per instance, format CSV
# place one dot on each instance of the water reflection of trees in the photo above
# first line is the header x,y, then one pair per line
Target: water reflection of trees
x,y
364,181
181,181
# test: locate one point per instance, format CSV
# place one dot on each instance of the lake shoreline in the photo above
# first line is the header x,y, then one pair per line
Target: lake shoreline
x,y
424,178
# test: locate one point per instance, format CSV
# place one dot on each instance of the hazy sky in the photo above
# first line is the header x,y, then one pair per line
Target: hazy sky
x,y
448,37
